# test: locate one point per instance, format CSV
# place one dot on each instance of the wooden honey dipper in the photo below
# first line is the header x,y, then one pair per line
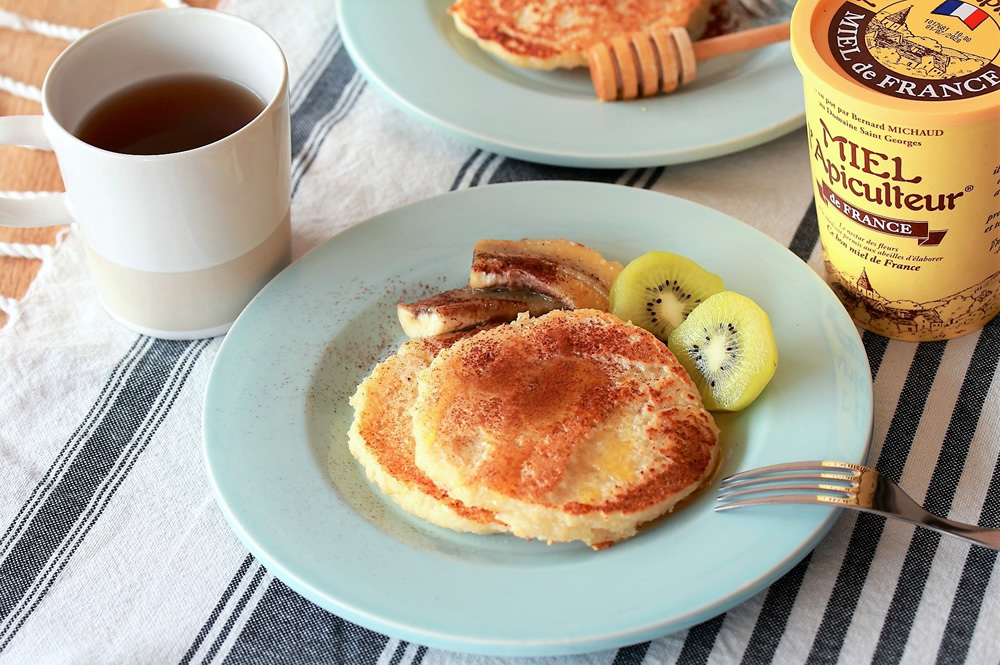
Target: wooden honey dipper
x,y
646,63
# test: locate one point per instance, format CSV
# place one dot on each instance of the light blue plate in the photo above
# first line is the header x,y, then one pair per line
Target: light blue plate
x,y
412,53
277,413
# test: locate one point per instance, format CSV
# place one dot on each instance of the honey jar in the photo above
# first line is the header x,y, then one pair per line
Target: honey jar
x,y
902,102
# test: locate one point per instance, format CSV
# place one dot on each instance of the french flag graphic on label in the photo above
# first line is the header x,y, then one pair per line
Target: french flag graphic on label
x,y
971,15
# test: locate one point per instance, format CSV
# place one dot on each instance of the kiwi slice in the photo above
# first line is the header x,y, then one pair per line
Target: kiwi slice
x,y
727,346
659,289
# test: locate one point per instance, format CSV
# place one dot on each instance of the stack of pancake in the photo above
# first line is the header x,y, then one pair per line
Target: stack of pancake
x,y
548,34
572,425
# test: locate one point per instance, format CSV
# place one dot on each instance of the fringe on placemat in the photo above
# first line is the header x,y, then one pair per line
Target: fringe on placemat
x,y
12,306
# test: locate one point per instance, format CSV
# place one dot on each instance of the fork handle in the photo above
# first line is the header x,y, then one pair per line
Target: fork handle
x,y
979,535
901,505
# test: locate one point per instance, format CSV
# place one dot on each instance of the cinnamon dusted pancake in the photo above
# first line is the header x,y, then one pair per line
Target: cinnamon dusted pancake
x,y
381,439
571,426
546,34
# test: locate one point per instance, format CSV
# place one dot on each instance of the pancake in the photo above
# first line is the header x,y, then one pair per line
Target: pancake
x,y
571,426
381,439
547,34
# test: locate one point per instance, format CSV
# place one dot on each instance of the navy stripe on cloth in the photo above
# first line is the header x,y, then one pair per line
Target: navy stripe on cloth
x,y
304,160
300,88
398,654
464,169
223,601
56,469
80,493
940,495
806,235
478,175
773,618
631,655
980,565
227,627
323,96
635,178
875,346
654,177
700,641
868,528
285,623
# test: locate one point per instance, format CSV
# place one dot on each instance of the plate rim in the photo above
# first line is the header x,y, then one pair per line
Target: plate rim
x,y
461,129
442,639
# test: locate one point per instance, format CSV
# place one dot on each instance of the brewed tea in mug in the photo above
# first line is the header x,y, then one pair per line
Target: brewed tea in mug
x,y
169,114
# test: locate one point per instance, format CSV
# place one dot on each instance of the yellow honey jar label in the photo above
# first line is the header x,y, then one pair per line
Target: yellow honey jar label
x,y
903,123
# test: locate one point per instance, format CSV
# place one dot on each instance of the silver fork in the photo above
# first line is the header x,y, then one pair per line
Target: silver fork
x,y
845,485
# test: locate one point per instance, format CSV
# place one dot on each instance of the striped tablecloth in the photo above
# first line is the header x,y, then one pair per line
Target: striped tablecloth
x,y
112,547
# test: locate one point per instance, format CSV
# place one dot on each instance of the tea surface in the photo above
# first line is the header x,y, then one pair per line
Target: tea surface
x,y
170,114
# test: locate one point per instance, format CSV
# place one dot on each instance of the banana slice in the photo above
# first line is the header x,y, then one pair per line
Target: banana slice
x,y
572,273
459,309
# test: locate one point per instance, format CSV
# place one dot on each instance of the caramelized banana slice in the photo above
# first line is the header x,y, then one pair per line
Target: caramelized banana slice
x,y
572,273
459,309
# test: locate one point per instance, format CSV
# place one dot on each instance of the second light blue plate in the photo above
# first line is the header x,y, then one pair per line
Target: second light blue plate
x,y
412,53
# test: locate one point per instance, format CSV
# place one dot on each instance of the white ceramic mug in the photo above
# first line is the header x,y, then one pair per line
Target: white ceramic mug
x,y
179,243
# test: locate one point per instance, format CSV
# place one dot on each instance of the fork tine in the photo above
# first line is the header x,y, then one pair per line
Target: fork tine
x,y
782,491
767,500
775,470
779,481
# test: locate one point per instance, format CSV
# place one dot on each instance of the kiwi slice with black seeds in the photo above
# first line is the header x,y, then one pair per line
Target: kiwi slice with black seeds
x,y
727,346
659,289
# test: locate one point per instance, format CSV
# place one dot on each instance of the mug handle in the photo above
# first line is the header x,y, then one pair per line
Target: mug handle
x,y
48,210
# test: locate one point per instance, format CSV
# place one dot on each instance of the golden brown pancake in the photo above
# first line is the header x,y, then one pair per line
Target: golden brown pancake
x,y
381,439
571,426
546,34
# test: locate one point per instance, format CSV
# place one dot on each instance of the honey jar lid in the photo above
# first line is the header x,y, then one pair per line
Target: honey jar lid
x,y
939,57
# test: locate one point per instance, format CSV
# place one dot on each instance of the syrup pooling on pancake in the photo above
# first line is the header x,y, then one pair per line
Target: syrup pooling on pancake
x,y
381,439
572,426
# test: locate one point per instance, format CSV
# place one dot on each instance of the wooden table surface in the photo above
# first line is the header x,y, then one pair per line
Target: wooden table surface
x,y
25,57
